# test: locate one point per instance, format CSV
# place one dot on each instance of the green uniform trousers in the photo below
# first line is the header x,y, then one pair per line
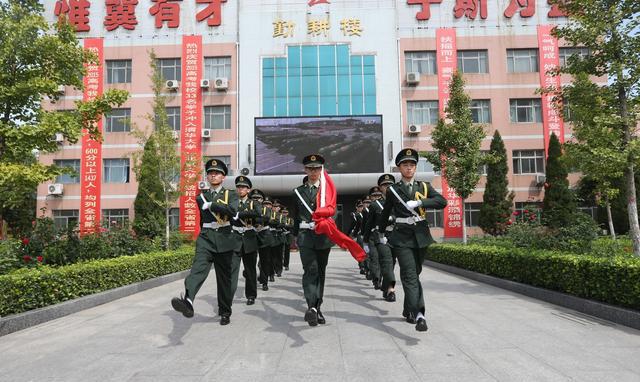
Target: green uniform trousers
x,y
374,260
410,261
314,264
264,265
249,261
204,258
385,259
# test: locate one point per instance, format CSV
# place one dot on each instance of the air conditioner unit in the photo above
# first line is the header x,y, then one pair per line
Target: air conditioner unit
x,y
172,85
59,138
540,179
60,89
176,134
413,78
205,83
415,129
206,133
222,83
55,189
202,185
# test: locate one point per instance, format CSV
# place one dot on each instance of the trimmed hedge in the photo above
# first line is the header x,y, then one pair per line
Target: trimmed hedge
x,y
28,289
613,280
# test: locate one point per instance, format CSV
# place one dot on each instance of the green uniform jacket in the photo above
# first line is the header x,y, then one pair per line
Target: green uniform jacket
x,y
221,210
306,238
276,224
410,235
247,241
265,237
375,210
288,226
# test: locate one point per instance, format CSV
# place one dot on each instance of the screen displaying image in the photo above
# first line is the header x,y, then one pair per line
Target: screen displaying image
x,y
349,144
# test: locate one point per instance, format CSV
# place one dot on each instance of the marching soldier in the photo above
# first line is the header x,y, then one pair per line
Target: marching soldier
x,y
278,232
370,241
366,201
314,248
354,230
265,239
288,225
408,200
247,239
214,246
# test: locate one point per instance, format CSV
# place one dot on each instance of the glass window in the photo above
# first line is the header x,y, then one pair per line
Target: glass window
x,y
116,170
118,71
217,117
422,62
215,67
529,206
435,218
481,110
473,61
63,219
118,121
173,118
170,68
115,218
68,178
174,219
472,214
528,161
566,52
525,110
522,60
425,166
422,112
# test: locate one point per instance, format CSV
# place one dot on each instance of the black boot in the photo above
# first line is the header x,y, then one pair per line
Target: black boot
x,y
182,305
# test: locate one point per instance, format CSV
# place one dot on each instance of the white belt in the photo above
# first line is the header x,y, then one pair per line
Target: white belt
x,y
215,225
243,229
389,228
263,228
306,225
409,220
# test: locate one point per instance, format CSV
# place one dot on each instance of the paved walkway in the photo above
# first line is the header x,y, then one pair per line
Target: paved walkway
x,y
477,333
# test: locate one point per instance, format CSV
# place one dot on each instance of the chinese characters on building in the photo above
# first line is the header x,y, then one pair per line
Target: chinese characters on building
x,y
317,27
471,8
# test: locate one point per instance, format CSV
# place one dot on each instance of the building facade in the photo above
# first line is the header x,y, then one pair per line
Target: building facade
x,y
231,63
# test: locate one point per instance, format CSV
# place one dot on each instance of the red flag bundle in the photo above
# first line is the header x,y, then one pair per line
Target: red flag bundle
x,y
326,208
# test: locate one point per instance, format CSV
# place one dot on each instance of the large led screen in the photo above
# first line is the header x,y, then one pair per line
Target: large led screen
x,y
349,144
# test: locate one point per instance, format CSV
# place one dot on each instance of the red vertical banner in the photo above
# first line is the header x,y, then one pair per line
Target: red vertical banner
x,y
91,157
190,139
447,60
549,59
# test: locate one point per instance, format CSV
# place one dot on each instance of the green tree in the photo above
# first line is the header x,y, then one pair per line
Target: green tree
x,y
558,205
149,218
497,200
610,29
35,58
161,155
457,145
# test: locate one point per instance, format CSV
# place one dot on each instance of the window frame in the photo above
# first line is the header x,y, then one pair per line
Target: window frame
x,y
215,67
176,66
538,158
513,60
122,121
535,107
472,214
121,219
56,219
72,179
209,117
107,171
481,109
414,64
482,59
431,108
128,71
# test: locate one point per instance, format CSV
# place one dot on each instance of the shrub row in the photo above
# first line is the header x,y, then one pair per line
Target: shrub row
x,y
27,289
613,280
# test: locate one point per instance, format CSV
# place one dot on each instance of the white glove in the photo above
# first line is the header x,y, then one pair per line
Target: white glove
x,y
366,248
414,203
206,206
383,240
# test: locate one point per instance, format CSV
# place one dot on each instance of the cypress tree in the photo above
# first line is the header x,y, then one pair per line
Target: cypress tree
x,y
559,202
497,200
149,216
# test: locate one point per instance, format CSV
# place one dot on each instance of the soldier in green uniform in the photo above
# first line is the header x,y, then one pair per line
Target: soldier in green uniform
x,y
408,200
366,201
271,222
370,241
354,231
214,246
243,227
277,251
265,238
314,248
288,225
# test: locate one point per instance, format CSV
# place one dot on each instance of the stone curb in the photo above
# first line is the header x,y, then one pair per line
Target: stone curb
x,y
622,316
34,317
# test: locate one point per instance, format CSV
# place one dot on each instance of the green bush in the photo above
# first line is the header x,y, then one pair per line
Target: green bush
x,y
28,289
614,280
9,255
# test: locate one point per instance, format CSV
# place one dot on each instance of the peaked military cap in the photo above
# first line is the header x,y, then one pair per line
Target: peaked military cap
x,y
406,155
375,190
386,179
216,165
366,199
243,181
313,160
267,200
256,194
359,203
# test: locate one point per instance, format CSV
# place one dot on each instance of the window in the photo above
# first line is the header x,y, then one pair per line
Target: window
x,y
173,118
481,111
63,219
68,178
589,210
528,161
116,170
170,68
525,110
217,117
115,218
473,61
421,62
567,52
529,206
118,121
215,67
226,159
422,112
435,218
472,214
522,60
118,71
425,166
174,219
